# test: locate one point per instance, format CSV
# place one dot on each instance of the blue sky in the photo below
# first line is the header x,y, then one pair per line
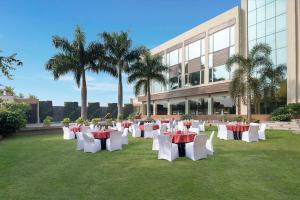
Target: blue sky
x,y
27,27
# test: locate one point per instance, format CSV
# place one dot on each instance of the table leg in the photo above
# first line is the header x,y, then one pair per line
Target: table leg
x,y
181,149
103,144
235,135
142,133
240,135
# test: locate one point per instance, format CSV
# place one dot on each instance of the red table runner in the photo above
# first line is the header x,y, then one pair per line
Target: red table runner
x,y
187,123
75,129
126,124
164,121
101,134
155,127
237,127
181,137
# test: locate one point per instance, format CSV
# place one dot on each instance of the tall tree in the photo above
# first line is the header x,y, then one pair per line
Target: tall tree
x,y
10,90
121,55
8,64
77,58
148,69
246,73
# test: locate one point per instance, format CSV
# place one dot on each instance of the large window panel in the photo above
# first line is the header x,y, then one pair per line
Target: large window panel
x,y
261,29
280,6
281,56
280,22
252,32
199,107
281,39
270,10
220,73
260,3
194,50
261,14
221,39
223,105
194,78
270,40
251,5
232,35
270,26
178,108
203,47
252,18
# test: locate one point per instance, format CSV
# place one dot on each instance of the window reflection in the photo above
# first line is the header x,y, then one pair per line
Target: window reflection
x,y
199,107
223,105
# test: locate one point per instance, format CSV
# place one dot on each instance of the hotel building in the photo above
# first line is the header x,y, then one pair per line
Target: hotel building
x,y
198,82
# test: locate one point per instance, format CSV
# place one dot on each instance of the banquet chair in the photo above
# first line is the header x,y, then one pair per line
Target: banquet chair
x,y
114,142
180,126
251,135
261,132
68,135
84,129
195,127
202,126
155,145
209,144
148,130
158,122
80,141
163,128
136,131
92,126
197,150
91,144
223,133
119,126
167,150
125,136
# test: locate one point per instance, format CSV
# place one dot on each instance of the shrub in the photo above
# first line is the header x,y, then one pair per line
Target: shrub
x,y
66,121
95,121
238,119
295,108
186,117
80,121
10,122
47,121
131,116
282,114
282,117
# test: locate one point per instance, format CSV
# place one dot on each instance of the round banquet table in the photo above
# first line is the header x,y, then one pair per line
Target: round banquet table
x,y
164,121
237,130
188,124
181,138
102,135
126,124
75,129
154,127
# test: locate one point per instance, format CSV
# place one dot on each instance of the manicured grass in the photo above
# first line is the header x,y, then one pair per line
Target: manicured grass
x,y
48,167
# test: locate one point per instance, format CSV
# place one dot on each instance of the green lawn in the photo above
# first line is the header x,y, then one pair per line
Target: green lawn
x,y
48,167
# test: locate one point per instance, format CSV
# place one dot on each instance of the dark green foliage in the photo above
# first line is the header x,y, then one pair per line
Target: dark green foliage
x,y
10,122
186,117
71,110
282,114
46,109
8,63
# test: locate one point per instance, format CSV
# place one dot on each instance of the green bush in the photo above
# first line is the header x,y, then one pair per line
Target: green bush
x,y
282,117
80,121
295,108
131,116
238,119
66,121
282,114
186,117
11,121
95,121
120,117
47,121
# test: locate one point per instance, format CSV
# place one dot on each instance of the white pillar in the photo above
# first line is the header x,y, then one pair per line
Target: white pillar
x,y
154,108
209,104
169,108
187,107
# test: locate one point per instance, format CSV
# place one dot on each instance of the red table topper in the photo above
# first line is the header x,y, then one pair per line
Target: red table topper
x,y
237,127
181,137
187,123
155,127
101,134
164,121
75,129
126,124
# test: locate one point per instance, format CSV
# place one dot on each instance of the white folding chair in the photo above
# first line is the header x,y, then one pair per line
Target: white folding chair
x,y
148,130
115,141
155,145
202,126
125,136
251,135
195,127
68,135
163,128
91,144
223,133
261,132
167,150
209,144
80,141
136,131
119,126
197,150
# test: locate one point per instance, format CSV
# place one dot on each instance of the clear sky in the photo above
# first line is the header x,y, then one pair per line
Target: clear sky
x,y
27,27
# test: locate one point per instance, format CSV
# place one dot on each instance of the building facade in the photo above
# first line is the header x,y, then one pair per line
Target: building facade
x,y
198,82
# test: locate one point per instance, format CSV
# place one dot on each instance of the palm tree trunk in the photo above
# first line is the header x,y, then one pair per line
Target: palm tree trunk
x,y
83,97
148,100
120,93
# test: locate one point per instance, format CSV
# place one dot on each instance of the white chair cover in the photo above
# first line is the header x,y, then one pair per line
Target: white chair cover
x,y
251,135
68,135
167,150
125,136
148,130
136,131
115,141
90,144
261,132
223,133
209,144
202,126
197,150
80,141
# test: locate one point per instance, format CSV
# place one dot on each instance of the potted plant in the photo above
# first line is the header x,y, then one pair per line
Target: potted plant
x,y
47,121
66,121
80,121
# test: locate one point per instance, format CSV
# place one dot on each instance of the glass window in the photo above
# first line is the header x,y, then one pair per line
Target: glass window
x,y
232,35
270,10
223,105
252,18
162,108
280,22
194,50
252,33
174,83
198,107
260,3
203,47
281,39
270,40
210,60
261,40
281,56
270,26
221,39
211,45
251,44
280,6
220,73
261,30
178,108
251,5
202,76
261,14
202,61
273,56
180,55
210,79
269,1
173,56
194,78
186,55
231,51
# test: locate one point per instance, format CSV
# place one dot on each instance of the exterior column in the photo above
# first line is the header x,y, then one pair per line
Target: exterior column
x,y
169,108
154,108
187,107
209,104
142,109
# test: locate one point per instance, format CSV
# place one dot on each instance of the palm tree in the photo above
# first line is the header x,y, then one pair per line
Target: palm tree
x,y
149,69
272,78
77,58
121,55
8,63
245,75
